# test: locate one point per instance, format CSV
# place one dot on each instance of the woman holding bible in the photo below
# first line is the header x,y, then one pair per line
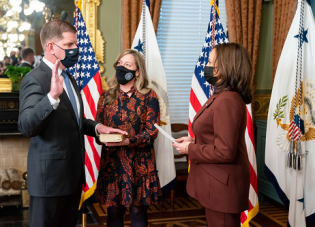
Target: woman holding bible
x,y
219,175
128,176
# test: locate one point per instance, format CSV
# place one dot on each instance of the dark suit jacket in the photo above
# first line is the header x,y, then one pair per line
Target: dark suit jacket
x,y
55,165
219,176
24,64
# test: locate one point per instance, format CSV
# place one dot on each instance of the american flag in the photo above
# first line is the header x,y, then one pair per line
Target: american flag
x,y
294,130
200,92
87,75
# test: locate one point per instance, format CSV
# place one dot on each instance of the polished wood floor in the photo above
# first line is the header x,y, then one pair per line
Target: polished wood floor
x,y
187,213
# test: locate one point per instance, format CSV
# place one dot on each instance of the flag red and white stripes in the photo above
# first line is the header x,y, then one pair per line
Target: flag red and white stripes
x,y
90,95
88,78
253,190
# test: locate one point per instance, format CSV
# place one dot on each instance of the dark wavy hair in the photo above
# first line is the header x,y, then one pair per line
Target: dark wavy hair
x,y
234,69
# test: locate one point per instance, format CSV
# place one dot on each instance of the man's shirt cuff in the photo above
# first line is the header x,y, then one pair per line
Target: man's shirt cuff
x,y
53,101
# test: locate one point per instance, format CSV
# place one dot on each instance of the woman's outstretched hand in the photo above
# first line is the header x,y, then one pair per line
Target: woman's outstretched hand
x,y
182,147
185,139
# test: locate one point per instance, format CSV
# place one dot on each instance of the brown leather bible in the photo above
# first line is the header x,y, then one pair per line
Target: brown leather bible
x,y
114,137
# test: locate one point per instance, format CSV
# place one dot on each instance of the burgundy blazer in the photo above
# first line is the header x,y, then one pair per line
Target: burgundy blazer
x,y
219,176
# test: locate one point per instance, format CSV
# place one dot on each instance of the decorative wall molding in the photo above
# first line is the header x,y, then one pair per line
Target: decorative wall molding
x,y
8,122
9,112
90,15
9,104
261,106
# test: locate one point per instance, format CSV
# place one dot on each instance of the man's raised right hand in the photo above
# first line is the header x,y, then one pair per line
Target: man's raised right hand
x,y
56,86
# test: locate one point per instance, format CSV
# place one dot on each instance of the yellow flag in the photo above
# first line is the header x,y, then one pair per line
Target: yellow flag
x,y
79,3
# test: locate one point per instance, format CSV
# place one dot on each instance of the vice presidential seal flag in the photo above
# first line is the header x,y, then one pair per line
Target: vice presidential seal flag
x,y
145,42
290,141
200,92
87,75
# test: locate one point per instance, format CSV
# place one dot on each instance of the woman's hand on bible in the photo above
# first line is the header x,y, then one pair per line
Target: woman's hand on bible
x,y
182,147
125,142
185,139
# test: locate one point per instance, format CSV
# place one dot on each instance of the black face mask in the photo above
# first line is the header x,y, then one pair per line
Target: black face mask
x,y
209,75
71,57
124,75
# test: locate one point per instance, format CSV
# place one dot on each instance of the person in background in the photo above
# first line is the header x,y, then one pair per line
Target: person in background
x,y
219,176
13,58
128,176
27,55
19,60
18,53
6,61
2,69
6,64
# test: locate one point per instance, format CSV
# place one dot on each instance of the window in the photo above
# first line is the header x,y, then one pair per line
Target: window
x,y
181,33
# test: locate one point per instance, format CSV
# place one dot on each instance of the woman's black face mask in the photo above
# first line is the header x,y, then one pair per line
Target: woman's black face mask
x,y
124,75
209,75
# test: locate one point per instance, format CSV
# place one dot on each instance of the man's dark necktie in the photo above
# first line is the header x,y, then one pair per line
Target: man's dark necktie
x,y
70,93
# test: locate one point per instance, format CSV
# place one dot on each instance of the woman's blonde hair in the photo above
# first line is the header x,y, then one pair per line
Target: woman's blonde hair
x,y
141,82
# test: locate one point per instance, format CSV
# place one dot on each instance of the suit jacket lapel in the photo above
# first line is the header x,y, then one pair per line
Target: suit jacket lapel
x,y
77,91
65,99
206,105
45,68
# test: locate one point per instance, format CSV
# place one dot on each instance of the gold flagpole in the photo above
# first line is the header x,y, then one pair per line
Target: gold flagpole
x,y
84,221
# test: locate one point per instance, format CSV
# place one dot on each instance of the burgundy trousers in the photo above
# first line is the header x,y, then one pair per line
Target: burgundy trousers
x,y
218,219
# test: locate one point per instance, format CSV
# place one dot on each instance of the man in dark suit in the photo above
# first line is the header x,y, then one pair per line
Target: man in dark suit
x,y
51,113
27,57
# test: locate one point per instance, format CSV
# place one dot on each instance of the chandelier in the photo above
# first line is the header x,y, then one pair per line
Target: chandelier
x,y
14,24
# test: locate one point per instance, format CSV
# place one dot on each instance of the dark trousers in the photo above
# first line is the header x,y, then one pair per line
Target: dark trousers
x,y
218,219
55,211
115,216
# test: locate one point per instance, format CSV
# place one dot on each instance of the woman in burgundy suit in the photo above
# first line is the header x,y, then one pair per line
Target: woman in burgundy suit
x,y
219,175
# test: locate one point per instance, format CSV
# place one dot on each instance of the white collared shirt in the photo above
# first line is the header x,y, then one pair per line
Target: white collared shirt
x,y
54,102
23,61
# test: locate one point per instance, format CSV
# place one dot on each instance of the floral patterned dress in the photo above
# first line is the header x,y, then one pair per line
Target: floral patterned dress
x,y
128,174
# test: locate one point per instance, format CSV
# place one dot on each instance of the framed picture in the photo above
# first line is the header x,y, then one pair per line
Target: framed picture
x,y
25,198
